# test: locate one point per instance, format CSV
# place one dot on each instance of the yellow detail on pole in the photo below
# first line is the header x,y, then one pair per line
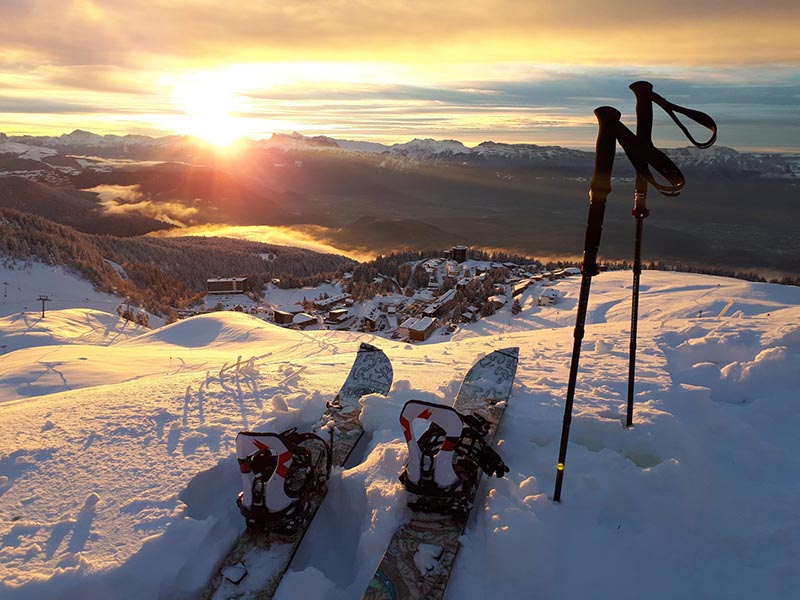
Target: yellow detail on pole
x,y
560,466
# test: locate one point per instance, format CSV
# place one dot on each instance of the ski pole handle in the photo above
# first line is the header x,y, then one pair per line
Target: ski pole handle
x,y
643,90
608,121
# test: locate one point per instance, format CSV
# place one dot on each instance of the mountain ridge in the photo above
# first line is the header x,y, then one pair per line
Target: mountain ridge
x,y
486,153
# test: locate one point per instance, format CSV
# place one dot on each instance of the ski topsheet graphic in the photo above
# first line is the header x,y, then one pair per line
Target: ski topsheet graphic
x,y
442,475
284,479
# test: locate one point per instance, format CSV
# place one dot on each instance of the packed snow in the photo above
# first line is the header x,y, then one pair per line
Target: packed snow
x,y
118,473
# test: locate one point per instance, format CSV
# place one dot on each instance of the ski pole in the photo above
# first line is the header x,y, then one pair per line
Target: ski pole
x,y
642,157
645,97
600,187
644,128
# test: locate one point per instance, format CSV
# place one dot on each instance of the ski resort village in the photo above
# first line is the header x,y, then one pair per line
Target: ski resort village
x,y
123,448
452,291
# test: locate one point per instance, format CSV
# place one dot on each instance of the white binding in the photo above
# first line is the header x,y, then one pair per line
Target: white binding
x,y
449,420
275,498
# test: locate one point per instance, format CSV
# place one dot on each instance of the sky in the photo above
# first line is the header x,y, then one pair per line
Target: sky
x,y
526,71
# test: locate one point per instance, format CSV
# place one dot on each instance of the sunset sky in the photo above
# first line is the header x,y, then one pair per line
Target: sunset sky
x,y
526,71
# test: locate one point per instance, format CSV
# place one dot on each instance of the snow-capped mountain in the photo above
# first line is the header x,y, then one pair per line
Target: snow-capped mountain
x,y
297,140
718,159
86,139
722,159
24,151
35,161
429,149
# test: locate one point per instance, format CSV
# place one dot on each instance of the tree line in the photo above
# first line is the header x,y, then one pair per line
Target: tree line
x,y
160,275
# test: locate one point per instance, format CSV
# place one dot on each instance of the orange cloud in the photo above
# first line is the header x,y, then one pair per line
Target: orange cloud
x,y
173,33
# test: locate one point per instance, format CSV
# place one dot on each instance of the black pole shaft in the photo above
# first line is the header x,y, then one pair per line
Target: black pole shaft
x,y
608,120
580,321
637,271
644,130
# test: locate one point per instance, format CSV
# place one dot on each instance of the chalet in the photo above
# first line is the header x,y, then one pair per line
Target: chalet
x,y
302,320
284,314
417,330
469,316
548,297
328,303
372,319
337,316
228,285
282,317
497,301
521,287
443,302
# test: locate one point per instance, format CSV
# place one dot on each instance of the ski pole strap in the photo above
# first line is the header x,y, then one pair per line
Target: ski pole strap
x,y
645,155
698,117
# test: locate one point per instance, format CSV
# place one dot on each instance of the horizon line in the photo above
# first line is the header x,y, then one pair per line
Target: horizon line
x,y
469,145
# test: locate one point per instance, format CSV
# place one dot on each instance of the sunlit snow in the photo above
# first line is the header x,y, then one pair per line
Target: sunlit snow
x,y
118,475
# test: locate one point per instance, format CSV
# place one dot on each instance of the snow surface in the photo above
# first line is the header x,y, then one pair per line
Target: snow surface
x,y
25,150
122,484
23,283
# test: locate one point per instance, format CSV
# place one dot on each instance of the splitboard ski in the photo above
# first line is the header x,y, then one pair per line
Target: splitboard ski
x,y
285,476
442,474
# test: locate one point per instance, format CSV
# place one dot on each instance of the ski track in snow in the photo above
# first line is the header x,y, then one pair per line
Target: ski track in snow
x,y
118,476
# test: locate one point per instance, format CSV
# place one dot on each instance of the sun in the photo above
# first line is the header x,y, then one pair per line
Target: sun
x,y
209,104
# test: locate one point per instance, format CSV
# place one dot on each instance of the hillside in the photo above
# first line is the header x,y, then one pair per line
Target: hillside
x,y
160,274
72,207
122,484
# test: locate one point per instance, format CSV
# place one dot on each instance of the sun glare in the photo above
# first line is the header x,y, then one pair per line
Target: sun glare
x,y
209,104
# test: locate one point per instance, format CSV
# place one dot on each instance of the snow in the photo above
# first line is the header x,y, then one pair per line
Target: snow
x,y
23,283
423,149
118,473
25,150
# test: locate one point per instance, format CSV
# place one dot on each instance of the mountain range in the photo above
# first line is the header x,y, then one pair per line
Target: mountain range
x,y
174,147
375,198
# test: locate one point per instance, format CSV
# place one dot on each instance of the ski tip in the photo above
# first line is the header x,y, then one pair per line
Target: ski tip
x,y
365,347
512,352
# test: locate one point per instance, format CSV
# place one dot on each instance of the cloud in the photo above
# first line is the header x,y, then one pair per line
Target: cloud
x,y
125,32
504,70
128,199
310,237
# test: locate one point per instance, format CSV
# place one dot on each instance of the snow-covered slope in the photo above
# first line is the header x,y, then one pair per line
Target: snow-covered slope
x,y
23,283
125,487
24,150
67,326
